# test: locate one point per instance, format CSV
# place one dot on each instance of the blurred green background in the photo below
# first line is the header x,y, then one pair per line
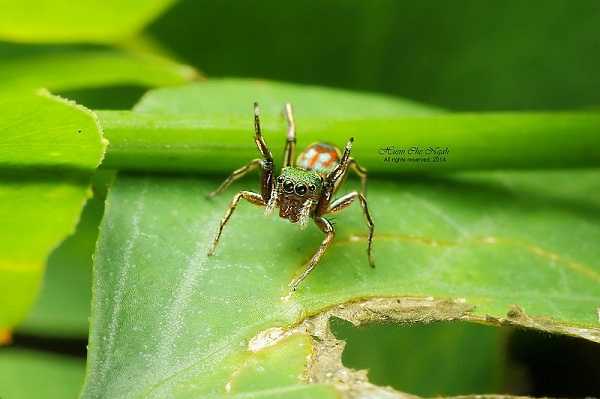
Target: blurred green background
x,y
461,55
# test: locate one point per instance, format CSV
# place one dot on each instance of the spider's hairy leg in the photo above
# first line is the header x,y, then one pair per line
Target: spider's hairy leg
x,y
290,144
236,174
346,201
249,196
327,228
340,170
267,164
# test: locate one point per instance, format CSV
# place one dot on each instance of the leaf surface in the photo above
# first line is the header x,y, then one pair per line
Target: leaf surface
x,y
159,301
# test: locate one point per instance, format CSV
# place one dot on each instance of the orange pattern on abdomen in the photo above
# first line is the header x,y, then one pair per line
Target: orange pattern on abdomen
x,y
319,157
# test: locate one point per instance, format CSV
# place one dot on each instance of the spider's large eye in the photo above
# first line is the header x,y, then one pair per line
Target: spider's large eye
x,y
301,189
288,186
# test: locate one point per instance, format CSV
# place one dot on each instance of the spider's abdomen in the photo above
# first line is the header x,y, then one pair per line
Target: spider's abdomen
x,y
319,157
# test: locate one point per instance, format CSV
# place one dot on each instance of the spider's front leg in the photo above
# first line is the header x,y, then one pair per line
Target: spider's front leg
x,y
290,143
265,163
327,228
249,196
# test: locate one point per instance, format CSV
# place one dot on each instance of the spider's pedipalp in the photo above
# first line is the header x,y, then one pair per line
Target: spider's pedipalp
x,y
305,213
272,200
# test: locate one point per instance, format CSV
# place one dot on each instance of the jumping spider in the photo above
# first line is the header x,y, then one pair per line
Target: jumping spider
x,y
303,190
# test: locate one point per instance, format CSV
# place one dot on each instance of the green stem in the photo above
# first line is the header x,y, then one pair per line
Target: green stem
x,y
507,140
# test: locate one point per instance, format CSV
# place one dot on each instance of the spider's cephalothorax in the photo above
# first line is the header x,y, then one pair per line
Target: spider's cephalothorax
x,y
296,193
303,190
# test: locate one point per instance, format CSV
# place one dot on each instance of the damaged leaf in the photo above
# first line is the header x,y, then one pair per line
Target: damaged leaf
x,y
515,248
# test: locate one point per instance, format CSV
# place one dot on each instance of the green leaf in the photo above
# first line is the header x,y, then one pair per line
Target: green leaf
x,y
70,67
233,98
26,374
49,148
515,248
48,154
82,21
207,127
62,308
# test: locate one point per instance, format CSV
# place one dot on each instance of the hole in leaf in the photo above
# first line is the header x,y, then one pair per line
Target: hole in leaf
x,y
557,365
460,358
